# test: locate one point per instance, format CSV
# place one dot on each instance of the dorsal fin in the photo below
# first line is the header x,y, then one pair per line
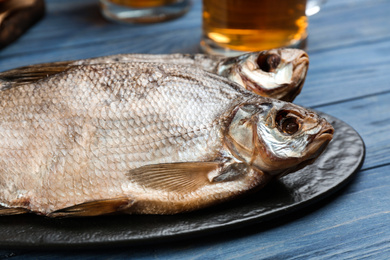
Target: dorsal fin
x,y
33,73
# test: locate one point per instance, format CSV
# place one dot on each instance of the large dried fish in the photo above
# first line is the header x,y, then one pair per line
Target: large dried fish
x,y
142,138
278,73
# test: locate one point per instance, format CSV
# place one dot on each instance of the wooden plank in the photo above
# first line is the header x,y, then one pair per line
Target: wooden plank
x,y
370,117
336,4
348,25
343,74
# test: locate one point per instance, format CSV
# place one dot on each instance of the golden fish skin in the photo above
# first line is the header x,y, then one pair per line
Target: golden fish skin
x,y
277,73
134,138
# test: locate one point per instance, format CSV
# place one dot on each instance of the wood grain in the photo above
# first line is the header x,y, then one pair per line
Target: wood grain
x,y
349,48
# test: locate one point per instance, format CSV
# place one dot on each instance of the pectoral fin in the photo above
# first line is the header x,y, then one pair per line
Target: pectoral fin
x,y
175,177
94,208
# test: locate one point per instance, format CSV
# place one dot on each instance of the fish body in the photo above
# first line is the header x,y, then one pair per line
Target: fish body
x,y
145,138
278,73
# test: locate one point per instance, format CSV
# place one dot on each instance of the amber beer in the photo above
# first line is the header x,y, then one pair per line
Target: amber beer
x,y
143,3
252,25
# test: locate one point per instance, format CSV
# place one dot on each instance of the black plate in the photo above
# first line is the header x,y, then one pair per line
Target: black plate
x,y
343,157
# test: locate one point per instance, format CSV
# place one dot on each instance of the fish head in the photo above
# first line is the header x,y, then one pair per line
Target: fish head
x,y
277,73
277,137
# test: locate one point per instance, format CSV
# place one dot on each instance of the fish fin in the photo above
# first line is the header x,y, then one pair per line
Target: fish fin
x,y
175,177
33,73
94,208
12,211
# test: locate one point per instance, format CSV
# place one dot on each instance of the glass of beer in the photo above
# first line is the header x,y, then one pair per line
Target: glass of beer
x,y
234,26
143,11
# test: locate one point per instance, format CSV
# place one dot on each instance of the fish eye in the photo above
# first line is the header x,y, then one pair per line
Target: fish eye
x,y
290,126
287,124
268,62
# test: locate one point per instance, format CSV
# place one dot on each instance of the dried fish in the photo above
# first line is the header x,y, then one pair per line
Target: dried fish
x,y
278,73
142,138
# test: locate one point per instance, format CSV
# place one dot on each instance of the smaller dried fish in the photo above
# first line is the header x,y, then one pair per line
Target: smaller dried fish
x,y
278,73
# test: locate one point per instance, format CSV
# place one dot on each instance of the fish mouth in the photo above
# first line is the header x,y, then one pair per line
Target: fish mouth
x,y
321,140
327,131
300,68
327,135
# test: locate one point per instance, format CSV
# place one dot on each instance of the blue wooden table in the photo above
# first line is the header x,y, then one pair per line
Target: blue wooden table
x,y
349,78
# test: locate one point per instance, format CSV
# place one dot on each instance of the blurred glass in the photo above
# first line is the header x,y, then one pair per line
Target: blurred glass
x,y
231,27
314,6
143,11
